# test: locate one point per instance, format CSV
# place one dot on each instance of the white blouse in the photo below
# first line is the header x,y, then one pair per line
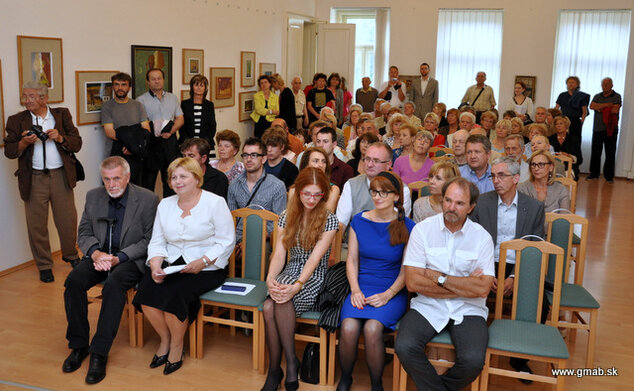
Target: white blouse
x,y
208,230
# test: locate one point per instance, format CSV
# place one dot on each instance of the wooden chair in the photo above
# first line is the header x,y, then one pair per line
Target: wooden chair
x,y
571,184
310,319
253,271
440,151
522,335
567,162
574,297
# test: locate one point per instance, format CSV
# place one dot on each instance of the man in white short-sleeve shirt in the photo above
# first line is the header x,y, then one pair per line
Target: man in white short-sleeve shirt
x,y
393,90
449,264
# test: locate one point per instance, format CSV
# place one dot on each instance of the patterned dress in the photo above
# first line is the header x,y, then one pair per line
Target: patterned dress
x,y
234,171
306,297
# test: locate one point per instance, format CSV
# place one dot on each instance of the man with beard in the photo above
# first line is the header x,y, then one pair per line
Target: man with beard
x,y
424,92
126,112
114,233
449,265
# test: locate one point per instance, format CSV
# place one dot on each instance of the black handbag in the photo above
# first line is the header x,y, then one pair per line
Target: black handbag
x,y
309,371
80,174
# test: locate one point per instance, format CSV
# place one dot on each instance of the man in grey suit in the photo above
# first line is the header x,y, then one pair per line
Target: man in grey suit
x,y
508,214
424,92
114,233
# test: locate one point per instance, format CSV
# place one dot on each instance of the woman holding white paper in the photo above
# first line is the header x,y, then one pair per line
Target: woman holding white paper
x,y
193,228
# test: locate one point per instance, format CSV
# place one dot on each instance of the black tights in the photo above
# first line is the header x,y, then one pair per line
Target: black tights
x,y
374,349
279,323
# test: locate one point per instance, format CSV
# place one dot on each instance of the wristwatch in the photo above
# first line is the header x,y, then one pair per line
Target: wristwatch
x,y
441,280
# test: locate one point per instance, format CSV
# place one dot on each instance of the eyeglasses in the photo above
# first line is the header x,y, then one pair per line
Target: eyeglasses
x,y
499,176
314,196
252,155
375,161
539,165
381,193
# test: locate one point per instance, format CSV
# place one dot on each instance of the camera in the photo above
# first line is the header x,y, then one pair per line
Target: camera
x,y
37,130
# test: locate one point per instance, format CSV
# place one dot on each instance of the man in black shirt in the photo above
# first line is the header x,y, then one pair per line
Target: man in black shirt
x,y
214,180
319,97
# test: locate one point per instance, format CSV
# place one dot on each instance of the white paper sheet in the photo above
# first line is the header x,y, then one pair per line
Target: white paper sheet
x,y
173,269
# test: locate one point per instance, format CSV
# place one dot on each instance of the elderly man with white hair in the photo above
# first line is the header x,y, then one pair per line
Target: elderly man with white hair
x,y
300,103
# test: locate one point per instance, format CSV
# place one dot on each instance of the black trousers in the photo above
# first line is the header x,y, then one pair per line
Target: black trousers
x,y
599,140
116,283
161,152
470,339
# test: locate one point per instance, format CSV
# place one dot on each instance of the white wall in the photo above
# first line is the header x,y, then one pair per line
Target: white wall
x,y
98,35
530,30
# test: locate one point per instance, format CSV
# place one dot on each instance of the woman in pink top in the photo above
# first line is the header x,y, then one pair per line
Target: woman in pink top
x,y
415,166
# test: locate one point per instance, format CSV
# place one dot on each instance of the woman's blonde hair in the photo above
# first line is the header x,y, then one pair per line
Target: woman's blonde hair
x,y
551,159
188,164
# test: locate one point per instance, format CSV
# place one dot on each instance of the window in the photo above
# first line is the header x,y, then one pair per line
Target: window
x,y
371,35
469,41
591,45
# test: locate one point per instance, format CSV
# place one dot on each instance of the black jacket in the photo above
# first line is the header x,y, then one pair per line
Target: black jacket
x,y
208,124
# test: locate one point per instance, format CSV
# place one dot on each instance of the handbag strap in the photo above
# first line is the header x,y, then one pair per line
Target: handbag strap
x,y
255,190
476,98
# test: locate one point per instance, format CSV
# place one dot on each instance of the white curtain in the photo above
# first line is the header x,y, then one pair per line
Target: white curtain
x,y
591,45
469,41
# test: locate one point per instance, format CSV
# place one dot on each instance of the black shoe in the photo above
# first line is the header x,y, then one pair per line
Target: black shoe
x,y
291,385
73,262
97,368
344,384
46,275
157,361
521,365
592,177
172,367
74,360
273,381
610,181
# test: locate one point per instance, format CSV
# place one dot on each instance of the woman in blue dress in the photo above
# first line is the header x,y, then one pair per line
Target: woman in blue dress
x,y
377,298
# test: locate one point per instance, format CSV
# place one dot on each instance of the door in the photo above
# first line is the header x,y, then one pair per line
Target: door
x,y
335,50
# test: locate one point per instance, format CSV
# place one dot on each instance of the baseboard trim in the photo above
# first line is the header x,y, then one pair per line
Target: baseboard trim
x,y
26,264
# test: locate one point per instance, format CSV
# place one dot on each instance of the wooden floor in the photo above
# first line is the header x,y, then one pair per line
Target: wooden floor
x,y
33,346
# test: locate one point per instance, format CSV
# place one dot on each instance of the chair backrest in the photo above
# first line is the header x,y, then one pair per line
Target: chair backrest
x,y
531,266
253,245
420,188
571,184
567,161
560,232
440,151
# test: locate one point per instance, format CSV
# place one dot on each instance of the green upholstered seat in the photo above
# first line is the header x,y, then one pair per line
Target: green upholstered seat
x,y
576,239
527,338
310,315
573,295
252,299
444,337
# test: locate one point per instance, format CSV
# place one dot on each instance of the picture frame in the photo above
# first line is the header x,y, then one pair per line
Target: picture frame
x,y
184,95
222,91
530,82
2,129
92,89
267,68
143,59
246,105
193,63
42,59
247,69
408,80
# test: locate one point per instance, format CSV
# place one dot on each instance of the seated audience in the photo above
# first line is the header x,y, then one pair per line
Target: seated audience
x,y
428,206
306,230
377,298
193,228
313,129
114,255
295,145
408,111
502,129
449,266
488,119
355,196
415,166
213,180
430,124
440,109
467,120
535,129
340,172
452,125
459,147
228,143
566,144
393,130
542,185
541,143
377,108
406,141
361,145
550,120
517,127
276,141
349,128
318,158
381,120
509,114
477,169
514,148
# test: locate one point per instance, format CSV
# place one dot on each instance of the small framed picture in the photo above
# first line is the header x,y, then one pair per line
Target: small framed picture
x,y
41,59
247,69
222,89
92,89
267,68
246,105
193,63
145,58
185,94
529,81
408,80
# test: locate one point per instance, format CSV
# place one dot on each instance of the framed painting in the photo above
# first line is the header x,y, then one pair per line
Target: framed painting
x,y
184,95
407,79
247,69
41,59
529,81
193,63
246,105
145,58
92,89
222,90
1,108
267,68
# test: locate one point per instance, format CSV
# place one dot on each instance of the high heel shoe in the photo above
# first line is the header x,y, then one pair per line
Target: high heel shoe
x,y
172,366
157,361
293,385
273,381
344,383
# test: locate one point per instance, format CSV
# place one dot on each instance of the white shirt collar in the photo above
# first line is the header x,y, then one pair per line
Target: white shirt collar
x,y
500,202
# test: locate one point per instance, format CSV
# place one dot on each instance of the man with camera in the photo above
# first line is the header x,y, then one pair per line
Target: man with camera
x,y
43,140
393,90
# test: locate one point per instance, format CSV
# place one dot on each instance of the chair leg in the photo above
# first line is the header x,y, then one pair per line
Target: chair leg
x,y
484,375
139,329
402,378
323,347
131,318
199,332
560,379
232,315
592,336
192,339
261,343
396,372
572,333
255,342
475,385
332,357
